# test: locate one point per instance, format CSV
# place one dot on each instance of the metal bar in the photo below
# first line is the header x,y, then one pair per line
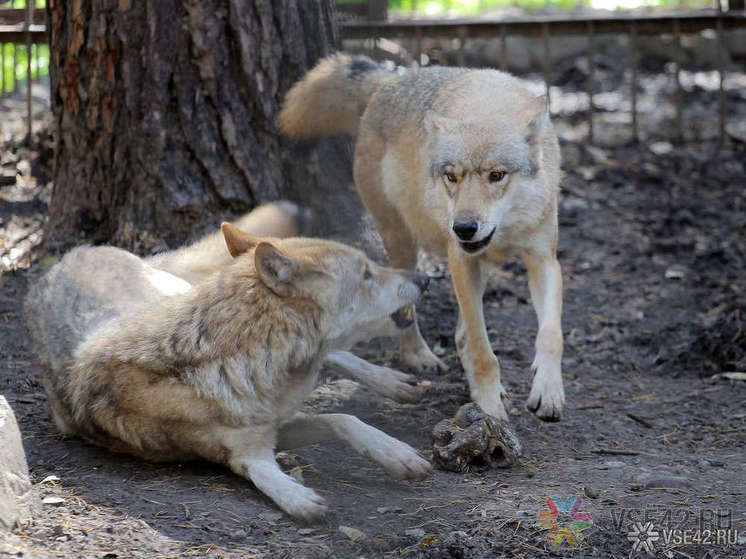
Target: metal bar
x,y
2,68
591,79
15,66
633,85
503,49
17,33
418,46
377,10
12,16
616,24
460,59
545,37
721,84
677,73
29,113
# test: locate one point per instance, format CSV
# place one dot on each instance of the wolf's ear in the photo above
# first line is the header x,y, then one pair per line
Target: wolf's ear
x,y
277,270
435,122
236,240
539,120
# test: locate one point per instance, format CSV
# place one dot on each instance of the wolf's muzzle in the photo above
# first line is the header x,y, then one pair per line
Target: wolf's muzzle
x,y
471,248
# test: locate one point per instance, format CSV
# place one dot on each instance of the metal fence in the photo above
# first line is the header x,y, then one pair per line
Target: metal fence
x,y
22,30
25,29
548,28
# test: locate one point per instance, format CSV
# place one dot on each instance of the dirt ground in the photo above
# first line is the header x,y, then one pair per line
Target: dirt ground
x,y
653,256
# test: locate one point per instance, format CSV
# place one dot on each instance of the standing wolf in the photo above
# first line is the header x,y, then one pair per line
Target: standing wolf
x,y
466,163
139,361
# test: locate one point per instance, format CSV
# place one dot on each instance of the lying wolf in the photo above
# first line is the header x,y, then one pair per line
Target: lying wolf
x,y
139,361
466,163
197,261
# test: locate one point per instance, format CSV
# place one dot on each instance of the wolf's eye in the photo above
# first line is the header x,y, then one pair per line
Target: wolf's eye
x,y
367,274
496,176
450,177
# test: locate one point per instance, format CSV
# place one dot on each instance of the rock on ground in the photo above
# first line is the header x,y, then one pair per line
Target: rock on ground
x,y
15,486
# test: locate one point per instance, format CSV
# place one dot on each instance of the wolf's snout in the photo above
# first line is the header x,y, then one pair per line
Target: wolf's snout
x,y
465,229
421,281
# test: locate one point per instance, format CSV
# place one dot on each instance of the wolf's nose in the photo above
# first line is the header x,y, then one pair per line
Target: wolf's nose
x,y
465,229
421,281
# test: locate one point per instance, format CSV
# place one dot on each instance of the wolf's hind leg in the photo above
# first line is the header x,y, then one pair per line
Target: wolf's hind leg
x,y
398,240
387,382
254,459
395,456
547,395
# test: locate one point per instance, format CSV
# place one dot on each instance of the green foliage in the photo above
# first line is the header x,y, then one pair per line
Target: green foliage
x,y
39,59
473,7
39,63
22,4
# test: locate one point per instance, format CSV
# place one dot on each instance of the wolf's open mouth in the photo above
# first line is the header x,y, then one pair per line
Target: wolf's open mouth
x,y
403,318
478,245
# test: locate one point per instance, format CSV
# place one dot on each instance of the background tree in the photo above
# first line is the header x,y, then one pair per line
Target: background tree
x,y
166,117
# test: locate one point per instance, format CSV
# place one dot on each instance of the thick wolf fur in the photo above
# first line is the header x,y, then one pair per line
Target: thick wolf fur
x,y
196,262
137,360
465,163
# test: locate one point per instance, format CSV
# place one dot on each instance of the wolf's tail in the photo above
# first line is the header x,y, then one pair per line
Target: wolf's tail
x,y
332,97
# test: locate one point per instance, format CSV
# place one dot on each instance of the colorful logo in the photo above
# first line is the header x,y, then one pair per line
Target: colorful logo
x,y
561,530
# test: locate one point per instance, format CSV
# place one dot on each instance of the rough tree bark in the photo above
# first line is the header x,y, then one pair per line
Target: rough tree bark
x,y
166,116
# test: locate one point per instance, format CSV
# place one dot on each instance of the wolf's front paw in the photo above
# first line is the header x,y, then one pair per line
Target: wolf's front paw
x,y
403,462
398,386
398,458
303,503
490,398
547,396
422,358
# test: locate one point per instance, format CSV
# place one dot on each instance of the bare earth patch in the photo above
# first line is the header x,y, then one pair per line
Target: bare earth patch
x,y
653,260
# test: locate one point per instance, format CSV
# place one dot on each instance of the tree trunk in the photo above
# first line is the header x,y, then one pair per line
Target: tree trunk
x,y
166,117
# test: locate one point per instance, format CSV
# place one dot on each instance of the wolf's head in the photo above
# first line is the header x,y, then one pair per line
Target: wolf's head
x,y
358,298
490,168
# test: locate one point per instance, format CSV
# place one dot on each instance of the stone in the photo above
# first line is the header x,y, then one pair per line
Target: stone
x,y
16,497
659,481
353,533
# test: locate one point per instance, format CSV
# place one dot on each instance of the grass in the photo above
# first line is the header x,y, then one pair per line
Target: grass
x,y
39,58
